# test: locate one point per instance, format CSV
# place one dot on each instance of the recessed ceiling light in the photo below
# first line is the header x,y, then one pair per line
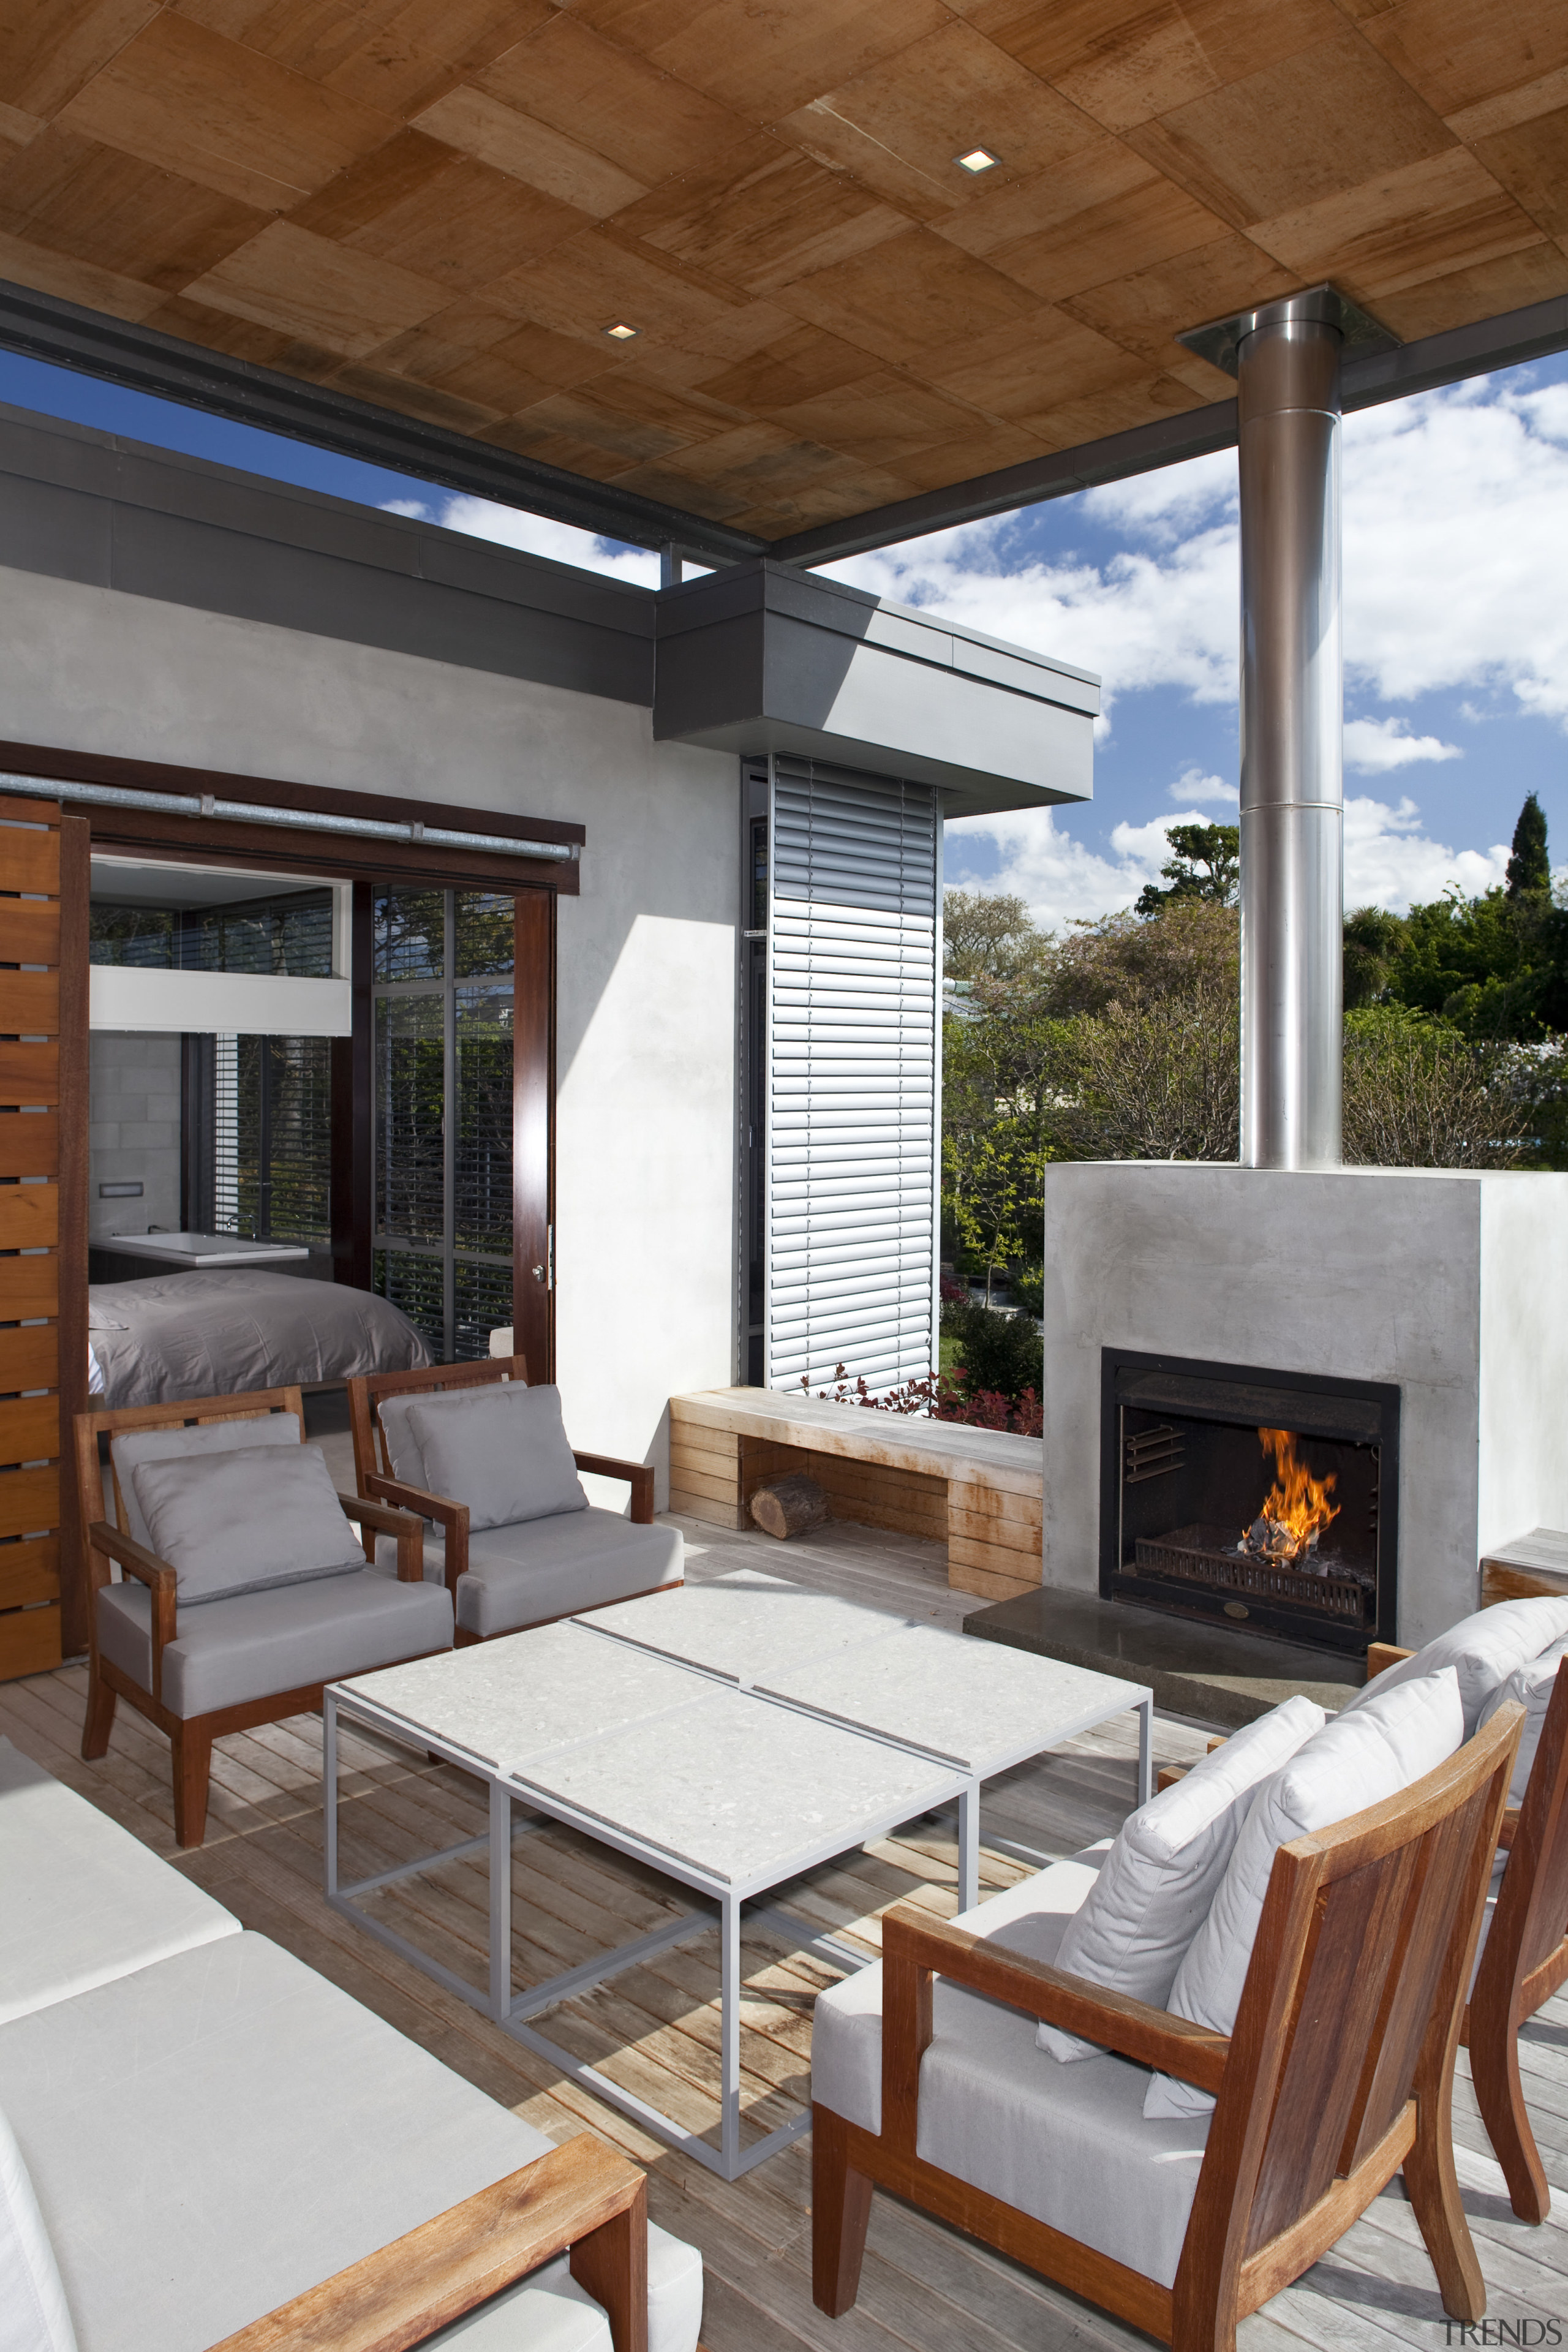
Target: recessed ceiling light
x,y
620,332
977,160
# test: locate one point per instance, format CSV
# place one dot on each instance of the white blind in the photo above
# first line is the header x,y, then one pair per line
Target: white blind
x,y
853,1077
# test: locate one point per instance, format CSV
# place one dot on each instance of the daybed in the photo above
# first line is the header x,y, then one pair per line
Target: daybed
x,y
485,1460
199,1335
202,2132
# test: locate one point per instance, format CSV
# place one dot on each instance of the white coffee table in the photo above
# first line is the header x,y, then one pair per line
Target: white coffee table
x,y
685,1763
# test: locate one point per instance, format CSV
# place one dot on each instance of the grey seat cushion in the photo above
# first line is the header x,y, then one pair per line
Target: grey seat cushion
x,y
134,1447
551,1568
230,1651
83,1900
1066,2144
214,2135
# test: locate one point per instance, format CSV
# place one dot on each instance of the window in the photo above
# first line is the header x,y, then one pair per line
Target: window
x,y
443,1113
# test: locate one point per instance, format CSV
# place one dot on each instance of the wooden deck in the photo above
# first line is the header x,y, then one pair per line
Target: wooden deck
x,y
656,2028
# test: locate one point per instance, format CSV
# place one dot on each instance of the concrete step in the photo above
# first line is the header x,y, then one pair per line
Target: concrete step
x,y
1219,1678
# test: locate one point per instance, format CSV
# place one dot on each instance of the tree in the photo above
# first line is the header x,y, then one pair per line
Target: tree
x,y
1418,1095
1374,938
1206,864
988,935
1529,871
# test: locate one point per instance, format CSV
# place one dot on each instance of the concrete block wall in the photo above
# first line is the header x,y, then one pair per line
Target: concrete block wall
x,y
135,1133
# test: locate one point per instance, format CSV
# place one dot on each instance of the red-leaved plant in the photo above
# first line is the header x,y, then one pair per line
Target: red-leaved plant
x,y
943,1398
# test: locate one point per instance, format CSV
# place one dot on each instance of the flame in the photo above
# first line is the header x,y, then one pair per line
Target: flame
x,y
1296,1501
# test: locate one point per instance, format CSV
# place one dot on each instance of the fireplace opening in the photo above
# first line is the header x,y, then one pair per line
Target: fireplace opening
x,y
1258,1499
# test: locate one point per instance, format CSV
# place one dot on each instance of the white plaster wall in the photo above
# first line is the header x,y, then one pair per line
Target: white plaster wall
x,y
1525,1356
645,1014
1453,1284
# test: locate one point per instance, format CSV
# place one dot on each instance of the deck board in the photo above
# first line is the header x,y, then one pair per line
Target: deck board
x,y
926,2287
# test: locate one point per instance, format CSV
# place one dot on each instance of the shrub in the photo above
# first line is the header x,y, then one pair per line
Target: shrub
x,y
998,1355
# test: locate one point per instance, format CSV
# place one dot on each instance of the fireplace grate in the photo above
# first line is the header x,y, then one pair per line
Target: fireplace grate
x,y
1199,1555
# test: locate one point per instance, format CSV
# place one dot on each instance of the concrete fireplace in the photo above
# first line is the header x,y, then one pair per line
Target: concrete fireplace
x,y
1449,1286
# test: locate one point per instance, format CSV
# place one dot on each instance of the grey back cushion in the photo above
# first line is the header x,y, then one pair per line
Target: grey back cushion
x,y
245,1522
401,1445
128,1452
502,1450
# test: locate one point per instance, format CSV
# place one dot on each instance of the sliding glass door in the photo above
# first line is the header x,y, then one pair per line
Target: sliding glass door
x,y
443,973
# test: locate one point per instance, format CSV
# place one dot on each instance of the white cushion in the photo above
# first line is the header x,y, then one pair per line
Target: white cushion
x,y
81,1900
245,1522
1483,1651
1357,1760
1531,1686
502,1450
33,2312
1160,1878
129,1451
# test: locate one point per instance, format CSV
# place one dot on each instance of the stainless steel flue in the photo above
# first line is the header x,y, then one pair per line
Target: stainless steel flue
x,y
1293,797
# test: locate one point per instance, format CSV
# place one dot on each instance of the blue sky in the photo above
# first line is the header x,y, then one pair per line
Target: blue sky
x,y
1456,510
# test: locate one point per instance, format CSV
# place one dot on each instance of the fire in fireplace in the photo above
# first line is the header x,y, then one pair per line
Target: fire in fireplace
x,y
1250,1497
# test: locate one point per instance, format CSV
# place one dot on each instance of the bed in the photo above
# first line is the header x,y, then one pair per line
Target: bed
x,y
221,1333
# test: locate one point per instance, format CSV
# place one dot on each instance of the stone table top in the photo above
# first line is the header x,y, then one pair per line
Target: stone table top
x,y
529,1692
744,1625
742,1789
977,1704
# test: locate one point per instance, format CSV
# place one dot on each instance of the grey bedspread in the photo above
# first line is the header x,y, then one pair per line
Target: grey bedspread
x,y
221,1333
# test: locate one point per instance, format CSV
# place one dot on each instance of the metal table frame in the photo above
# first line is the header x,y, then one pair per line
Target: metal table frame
x,y
512,2012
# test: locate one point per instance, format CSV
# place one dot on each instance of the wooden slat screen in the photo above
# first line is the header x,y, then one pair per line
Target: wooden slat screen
x,y
31,1451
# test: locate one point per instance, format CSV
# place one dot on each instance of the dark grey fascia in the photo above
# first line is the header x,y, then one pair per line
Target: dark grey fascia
x,y
141,358
762,657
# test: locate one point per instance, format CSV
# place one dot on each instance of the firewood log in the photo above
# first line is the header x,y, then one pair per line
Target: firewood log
x,y
789,1506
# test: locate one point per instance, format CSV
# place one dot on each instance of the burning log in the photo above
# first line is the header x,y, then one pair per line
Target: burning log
x,y
1297,1509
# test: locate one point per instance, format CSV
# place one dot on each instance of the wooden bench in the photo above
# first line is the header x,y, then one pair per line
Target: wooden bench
x,y
978,1491
1527,1566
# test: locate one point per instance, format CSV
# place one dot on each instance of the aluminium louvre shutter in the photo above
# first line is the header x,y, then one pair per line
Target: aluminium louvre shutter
x,y
853,1077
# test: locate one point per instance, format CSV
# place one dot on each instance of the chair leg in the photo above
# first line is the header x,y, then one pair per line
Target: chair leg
x,y
1499,2094
1434,2186
840,2211
193,1748
100,1721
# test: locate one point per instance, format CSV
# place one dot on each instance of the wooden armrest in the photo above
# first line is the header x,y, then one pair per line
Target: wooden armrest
x,y
912,1938
156,1574
1508,1828
1384,1653
638,1477
382,1520
583,2196
450,1517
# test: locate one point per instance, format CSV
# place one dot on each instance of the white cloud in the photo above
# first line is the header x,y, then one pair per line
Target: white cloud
x,y
1192,784
1456,561
535,534
1373,746
1389,861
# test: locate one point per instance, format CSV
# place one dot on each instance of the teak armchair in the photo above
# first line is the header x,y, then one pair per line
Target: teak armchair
x,y
615,1566
582,2196
1525,1957
1339,2073
389,1633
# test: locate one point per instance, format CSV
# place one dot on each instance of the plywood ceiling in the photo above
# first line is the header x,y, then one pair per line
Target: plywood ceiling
x,y
439,205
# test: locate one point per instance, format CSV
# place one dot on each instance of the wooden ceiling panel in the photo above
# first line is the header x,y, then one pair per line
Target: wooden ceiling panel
x,y
619,105
48,53
1531,162
785,219
1446,213
1126,64
1152,224
1456,54
437,213
914,296
1329,118
442,204
190,101
72,196
763,62
307,286
480,125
